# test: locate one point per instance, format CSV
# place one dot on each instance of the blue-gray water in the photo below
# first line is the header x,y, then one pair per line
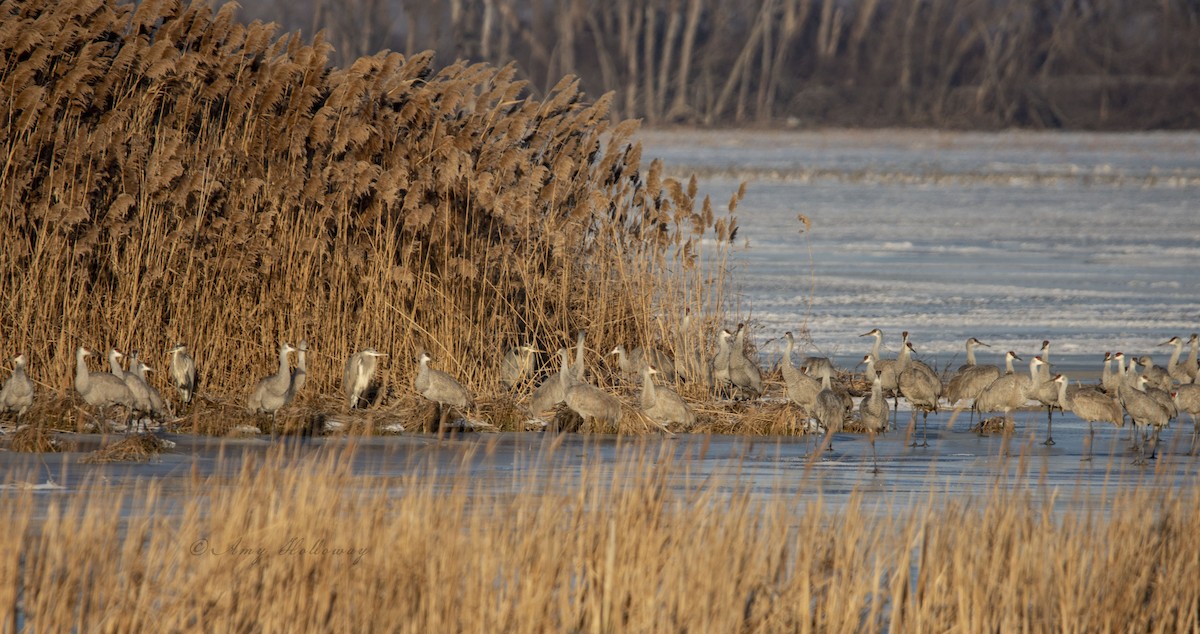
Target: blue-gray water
x,y
1088,240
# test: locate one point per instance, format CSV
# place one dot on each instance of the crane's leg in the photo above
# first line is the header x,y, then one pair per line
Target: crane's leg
x,y
1049,426
912,429
925,429
1087,456
874,458
1195,432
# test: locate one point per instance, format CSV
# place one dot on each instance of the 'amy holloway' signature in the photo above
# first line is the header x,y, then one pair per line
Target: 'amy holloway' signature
x,y
295,546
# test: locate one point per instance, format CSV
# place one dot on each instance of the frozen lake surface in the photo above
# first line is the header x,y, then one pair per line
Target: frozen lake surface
x,y
1091,241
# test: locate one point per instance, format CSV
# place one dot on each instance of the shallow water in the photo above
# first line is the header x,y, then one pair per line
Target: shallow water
x,y
1088,240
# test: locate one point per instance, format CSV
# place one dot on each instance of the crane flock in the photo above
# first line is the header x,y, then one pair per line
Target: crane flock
x,y
1149,398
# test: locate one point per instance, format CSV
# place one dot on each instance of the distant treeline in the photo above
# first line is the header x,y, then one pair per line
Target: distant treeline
x,y
1080,64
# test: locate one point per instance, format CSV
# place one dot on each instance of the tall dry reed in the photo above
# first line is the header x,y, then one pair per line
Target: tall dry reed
x,y
303,543
171,174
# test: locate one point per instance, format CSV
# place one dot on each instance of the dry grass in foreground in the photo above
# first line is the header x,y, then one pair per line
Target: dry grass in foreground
x,y
305,545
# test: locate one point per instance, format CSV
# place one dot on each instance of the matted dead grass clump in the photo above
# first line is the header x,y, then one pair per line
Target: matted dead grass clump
x,y
134,448
34,439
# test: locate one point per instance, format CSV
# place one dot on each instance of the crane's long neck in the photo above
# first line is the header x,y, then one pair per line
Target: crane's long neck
x,y
902,360
871,368
1062,393
970,353
114,365
787,351
564,375
648,389
1195,352
81,369
825,384
579,356
878,344
1033,371
876,389
283,364
1008,366
1106,373
1175,355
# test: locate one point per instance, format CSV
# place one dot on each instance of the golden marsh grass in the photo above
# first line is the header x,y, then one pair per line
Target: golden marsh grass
x,y
171,174
306,543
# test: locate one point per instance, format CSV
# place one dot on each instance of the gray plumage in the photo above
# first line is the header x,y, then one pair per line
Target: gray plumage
x,y
1091,405
579,369
158,407
743,372
800,388
971,344
817,366
1143,409
183,373
662,404
971,378
720,363
356,377
1175,370
922,388
1009,391
1108,379
100,389
1156,374
137,386
516,365
692,364
873,412
275,391
550,392
830,409
1192,364
1044,366
300,374
441,388
634,362
17,393
589,401
1187,399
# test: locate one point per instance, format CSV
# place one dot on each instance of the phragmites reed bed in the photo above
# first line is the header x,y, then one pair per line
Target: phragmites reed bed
x,y
171,175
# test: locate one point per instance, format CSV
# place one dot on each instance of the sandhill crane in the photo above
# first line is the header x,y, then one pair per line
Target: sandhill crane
x,y
183,373
971,343
158,407
914,362
873,412
662,404
137,386
1174,369
275,391
579,369
1009,391
817,366
971,378
1091,405
692,363
356,377
1192,364
589,401
1143,410
743,371
99,390
17,393
441,388
1044,367
922,388
800,388
550,392
1156,374
720,363
300,373
1108,378
1046,393
829,410
1187,399
516,365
